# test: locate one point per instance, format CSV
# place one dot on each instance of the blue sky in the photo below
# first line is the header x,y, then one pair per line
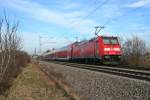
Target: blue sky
x,y
60,21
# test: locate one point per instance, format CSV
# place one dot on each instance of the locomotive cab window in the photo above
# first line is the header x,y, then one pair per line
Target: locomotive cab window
x,y
106,41
110,40
114,41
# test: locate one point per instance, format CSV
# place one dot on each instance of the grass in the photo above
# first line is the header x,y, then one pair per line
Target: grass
x,y
33,84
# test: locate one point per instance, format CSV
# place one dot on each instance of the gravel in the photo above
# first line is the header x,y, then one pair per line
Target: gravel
x,y
102,86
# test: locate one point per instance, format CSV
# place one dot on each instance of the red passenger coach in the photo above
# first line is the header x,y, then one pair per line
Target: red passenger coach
x,y
62,53
102,49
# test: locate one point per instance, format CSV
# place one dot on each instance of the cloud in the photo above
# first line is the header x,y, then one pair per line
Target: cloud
x,y
67,5
74,20
111,11
71,16
139,3
70,20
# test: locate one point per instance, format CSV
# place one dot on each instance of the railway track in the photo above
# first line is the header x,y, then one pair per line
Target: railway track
x,y
126,72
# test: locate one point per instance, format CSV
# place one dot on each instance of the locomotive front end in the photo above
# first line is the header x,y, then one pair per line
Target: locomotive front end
x,y
111,50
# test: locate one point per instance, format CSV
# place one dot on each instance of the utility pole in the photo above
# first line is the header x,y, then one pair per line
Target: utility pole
x,y
98,29
40,44
35,51
76,38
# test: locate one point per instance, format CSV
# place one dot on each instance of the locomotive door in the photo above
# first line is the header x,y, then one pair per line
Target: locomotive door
x,y
71,52
96,49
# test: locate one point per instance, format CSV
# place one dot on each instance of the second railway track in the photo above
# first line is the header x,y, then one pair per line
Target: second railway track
x,y
126,72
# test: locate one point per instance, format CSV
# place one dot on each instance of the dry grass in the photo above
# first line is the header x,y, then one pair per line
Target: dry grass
x,y
21,60
33,84
60,81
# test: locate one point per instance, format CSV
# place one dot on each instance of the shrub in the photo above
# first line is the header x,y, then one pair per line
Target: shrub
x,y
11,58
133,51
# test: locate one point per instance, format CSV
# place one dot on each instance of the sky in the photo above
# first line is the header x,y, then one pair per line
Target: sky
x,y
60,22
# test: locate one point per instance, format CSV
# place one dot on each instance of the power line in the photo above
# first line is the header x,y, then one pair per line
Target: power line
x,y
109,20
94,10
90,13
95,1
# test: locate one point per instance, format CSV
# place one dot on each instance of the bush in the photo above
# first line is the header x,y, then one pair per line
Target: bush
x,y
20,61
11,58
133,51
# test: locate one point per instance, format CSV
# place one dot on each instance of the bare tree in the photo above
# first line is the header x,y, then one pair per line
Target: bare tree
x,y
148,47
133,50
9,45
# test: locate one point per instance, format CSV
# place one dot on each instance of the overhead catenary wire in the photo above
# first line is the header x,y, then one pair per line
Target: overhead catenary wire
x,y
88,14
93,10
96,8
109,20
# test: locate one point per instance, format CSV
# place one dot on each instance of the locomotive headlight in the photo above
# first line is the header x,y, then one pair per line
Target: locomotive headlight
x,y
106,49
116,49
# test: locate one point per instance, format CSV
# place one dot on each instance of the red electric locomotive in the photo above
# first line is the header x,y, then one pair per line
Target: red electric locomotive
x,y
102,49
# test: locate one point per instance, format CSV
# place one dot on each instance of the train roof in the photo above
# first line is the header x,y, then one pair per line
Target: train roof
x,y
84,41
76,43
108,36
47,53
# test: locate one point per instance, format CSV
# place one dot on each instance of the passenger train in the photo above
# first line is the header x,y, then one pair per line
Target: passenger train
x,y
102,49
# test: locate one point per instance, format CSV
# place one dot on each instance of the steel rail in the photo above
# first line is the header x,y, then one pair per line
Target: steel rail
x,y
130,73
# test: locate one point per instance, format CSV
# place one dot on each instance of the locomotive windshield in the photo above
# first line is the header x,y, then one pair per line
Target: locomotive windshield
x,y
110,40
